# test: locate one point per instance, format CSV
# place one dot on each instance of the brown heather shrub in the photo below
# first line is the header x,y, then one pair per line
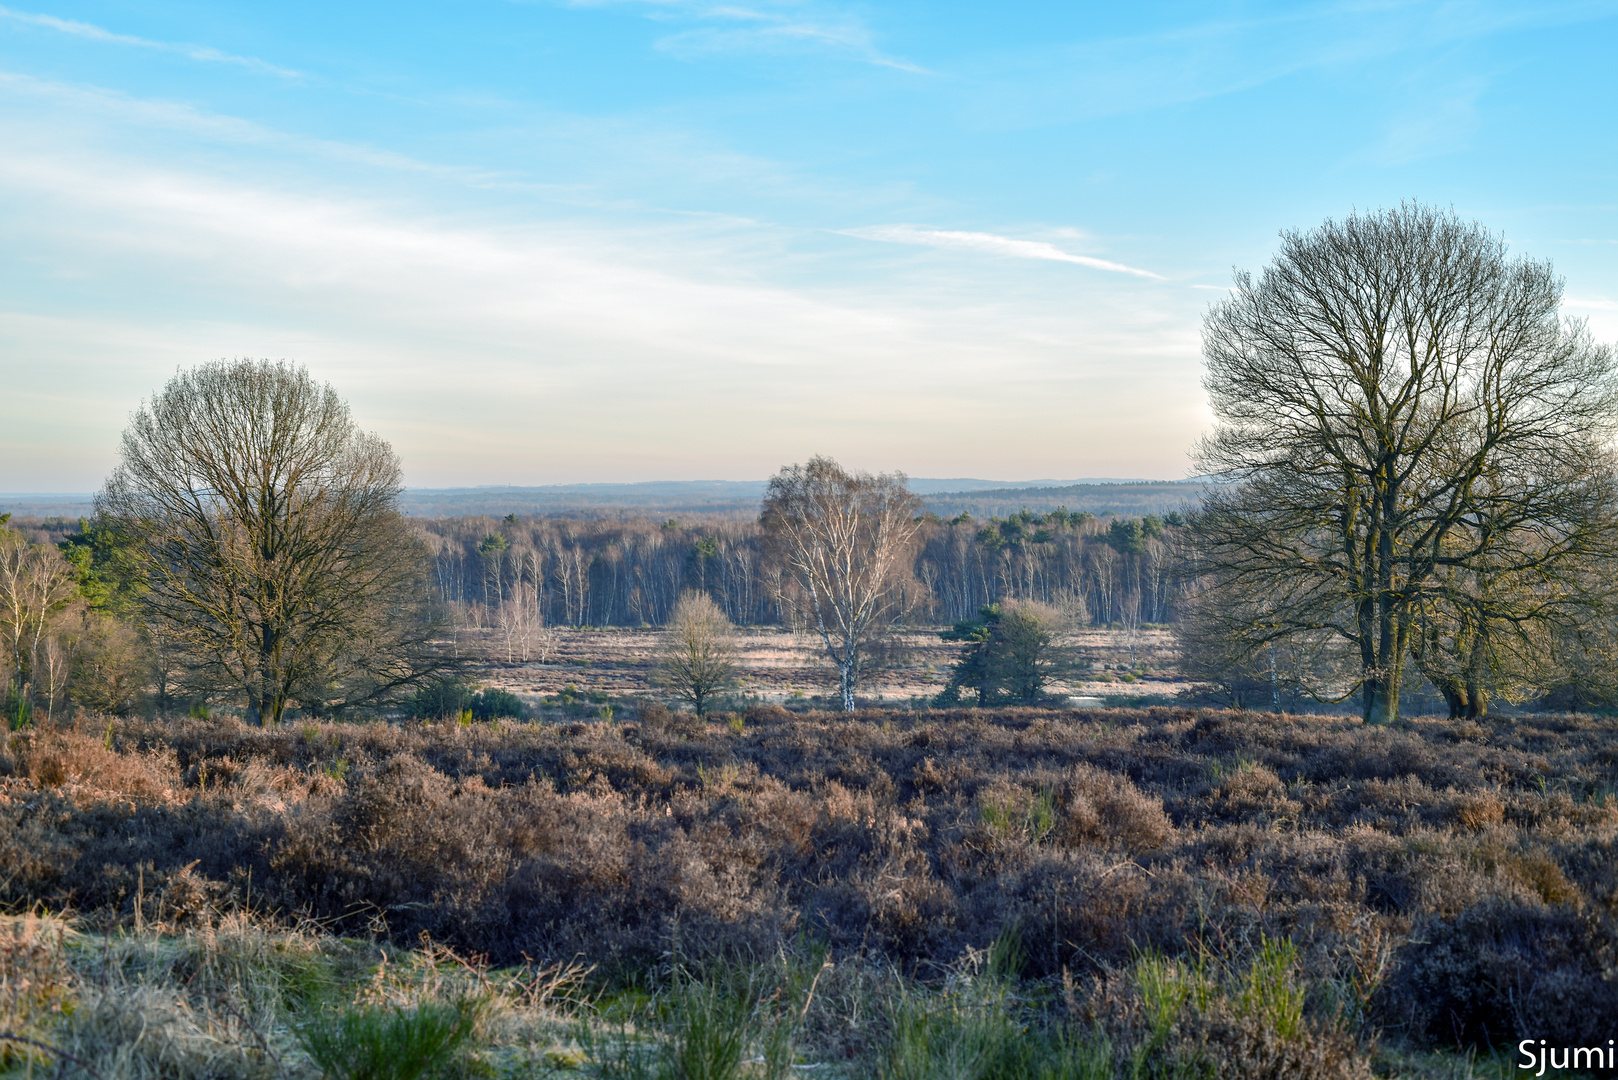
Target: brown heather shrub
x,y
1480,811
64,757
1428,872
1109,810
1502,970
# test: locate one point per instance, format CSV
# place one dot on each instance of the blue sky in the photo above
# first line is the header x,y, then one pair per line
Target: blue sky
x,y
552,242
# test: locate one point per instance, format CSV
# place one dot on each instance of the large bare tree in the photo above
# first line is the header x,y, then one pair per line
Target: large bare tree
x,y
847,540
1412,439
270,547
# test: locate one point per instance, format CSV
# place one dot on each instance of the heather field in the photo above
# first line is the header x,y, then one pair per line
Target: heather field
x,y
779,666
995,893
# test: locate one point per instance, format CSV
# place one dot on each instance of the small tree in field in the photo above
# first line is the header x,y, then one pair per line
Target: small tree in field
x,y
1011,650
698,658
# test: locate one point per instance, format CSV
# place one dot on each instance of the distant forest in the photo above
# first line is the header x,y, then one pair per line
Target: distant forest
x,y
1099,550
592,572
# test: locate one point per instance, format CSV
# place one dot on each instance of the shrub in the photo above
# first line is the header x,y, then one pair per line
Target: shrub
x,y
496,705
372,1043
441,699
1106,809
1504,970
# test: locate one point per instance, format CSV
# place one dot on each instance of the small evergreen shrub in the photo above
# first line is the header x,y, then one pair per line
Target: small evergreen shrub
x,y
497,705
441,699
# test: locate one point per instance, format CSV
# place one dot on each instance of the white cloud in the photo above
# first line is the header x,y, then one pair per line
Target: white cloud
x,y
768,28
991,244
1599,312
204,53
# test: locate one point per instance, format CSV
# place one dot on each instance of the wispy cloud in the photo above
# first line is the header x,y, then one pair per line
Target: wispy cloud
x,y
769,28
1440,120
1065,81
204,53
991,244
416,307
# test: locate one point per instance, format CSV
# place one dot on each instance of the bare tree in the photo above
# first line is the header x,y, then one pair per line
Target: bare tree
x,y
35,585
267,532
1129,618
110,666
1403,417
56,662
847,540
698,654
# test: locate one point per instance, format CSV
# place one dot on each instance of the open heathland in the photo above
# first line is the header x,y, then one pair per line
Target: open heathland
x,y
1158,892
779,666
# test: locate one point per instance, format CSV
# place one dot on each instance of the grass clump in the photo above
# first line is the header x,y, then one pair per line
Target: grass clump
x,y
384,1043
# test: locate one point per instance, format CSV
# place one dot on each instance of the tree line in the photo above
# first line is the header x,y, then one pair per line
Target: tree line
x,y
82,622
582,572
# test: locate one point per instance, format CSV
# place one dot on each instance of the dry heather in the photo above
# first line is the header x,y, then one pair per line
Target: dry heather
x,y
1435,884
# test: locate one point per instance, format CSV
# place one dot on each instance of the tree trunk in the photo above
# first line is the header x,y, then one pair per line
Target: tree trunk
x,y
1477,699
1381,699
1382,691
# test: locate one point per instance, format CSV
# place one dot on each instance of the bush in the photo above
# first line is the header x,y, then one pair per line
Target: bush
x,y
1106,809
497,705
441,699
1506,970
372,1043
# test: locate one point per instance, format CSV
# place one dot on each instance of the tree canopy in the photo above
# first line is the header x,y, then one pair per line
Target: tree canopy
x,y
264,526
1415,454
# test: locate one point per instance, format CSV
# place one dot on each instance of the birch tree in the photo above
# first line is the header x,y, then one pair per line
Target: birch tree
x,y
35,584
847,540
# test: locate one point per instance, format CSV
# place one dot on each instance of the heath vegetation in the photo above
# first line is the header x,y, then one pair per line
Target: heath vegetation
x,y
978,892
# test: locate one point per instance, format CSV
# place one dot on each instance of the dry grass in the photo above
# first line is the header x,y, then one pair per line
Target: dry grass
x,y
1439,884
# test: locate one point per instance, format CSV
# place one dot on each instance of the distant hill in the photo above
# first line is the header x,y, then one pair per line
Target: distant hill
x,y
1123,498
945,497
726,497
731,498
47,504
